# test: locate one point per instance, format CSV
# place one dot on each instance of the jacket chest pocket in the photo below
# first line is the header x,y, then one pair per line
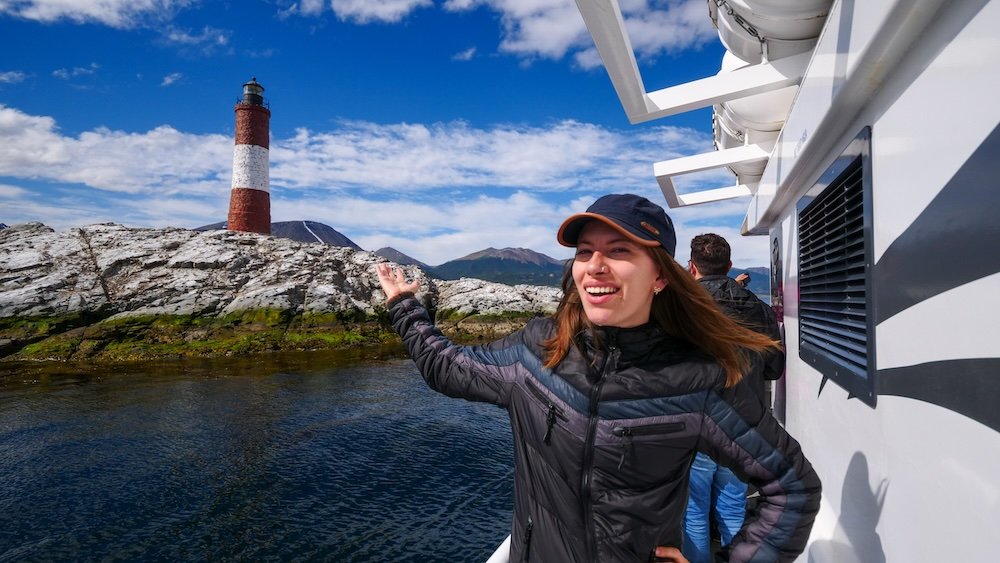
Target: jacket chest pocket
x,y
661,434
553,413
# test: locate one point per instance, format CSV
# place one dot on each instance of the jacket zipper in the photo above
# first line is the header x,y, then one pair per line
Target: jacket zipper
x,y
554,412
630,431
527,540
588,446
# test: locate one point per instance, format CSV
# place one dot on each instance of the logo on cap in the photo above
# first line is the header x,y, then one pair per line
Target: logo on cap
x,y
650,228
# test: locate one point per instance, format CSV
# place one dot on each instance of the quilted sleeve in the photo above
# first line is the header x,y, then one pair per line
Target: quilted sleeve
x,y
476,373
739,433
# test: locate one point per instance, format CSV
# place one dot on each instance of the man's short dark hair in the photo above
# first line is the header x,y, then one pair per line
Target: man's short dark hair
x,y
711,254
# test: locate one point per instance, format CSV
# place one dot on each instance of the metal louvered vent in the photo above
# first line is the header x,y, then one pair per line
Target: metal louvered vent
x,y
833,276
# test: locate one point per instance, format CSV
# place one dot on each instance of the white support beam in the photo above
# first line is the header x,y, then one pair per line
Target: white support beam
x,y
607,27
667,169
739,83
674,200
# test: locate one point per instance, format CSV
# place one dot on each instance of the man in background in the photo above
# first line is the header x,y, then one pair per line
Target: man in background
x,y
711,484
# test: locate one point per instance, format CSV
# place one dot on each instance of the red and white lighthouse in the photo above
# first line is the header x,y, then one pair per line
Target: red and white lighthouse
x,y
250,200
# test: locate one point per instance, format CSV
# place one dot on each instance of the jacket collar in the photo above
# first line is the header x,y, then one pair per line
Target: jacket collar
x,y
714,278
634,344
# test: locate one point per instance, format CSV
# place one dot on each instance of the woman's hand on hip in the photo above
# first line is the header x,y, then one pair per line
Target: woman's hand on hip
x,y
393,281
669,555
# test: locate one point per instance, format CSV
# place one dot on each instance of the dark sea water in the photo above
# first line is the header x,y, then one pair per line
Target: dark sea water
x,y
270,459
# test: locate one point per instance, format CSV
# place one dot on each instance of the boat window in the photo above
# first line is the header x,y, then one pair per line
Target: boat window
x,y
836,330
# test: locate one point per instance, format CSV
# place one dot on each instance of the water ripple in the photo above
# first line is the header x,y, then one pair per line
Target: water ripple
x,y
360,463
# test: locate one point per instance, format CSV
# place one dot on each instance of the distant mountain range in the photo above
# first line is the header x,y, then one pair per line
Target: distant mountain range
x,y
390,253
301,231
505,265
760,281
508,265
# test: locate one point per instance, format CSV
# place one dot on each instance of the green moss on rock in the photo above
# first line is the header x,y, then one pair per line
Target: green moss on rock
x,y
147,337
23,328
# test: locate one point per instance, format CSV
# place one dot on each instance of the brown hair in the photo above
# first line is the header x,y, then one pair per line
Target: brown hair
x,y
711,253
684,310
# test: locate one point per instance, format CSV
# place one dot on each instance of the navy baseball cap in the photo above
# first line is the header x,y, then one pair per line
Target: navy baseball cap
x,y
635,217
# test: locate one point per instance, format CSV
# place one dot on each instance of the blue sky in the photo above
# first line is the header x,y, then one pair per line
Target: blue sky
x,y
437,127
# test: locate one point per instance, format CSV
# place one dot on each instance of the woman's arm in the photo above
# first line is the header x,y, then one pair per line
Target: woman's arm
x,y
477,373
740,433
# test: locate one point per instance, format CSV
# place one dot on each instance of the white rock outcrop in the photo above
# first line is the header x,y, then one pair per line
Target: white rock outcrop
x,y
471,296
131,271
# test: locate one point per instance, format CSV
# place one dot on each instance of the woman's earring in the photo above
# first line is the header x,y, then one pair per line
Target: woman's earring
x,y
657,290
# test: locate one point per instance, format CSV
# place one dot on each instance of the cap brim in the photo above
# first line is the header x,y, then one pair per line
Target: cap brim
x,y
569,232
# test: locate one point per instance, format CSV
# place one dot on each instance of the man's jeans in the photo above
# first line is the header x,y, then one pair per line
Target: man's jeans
x,y
709,481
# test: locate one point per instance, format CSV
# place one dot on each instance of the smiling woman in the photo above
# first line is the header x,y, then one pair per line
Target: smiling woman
x,y
613,266
610,400
618,277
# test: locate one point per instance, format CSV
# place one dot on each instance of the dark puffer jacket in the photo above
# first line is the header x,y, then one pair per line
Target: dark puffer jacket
x,y
603,443
740,304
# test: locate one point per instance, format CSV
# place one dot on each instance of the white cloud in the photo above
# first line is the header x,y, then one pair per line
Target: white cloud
x,y
447,227
721,218
171,78
562,156
358,11
534,28
391,158
366,11
114,13
75,72
260,53
311,7
465,55
31,143
436,231
684,24
9,191
176,211
12,77
436,192
544,28
55,210
208,40
550,29
553,28
110,160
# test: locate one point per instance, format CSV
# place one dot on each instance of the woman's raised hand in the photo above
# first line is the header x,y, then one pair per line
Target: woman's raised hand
x,y
393,281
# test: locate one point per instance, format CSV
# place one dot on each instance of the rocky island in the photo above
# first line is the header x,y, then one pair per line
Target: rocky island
x,y
110,293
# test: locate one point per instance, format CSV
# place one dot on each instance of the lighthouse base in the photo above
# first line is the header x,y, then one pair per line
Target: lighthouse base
x,y
250,211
